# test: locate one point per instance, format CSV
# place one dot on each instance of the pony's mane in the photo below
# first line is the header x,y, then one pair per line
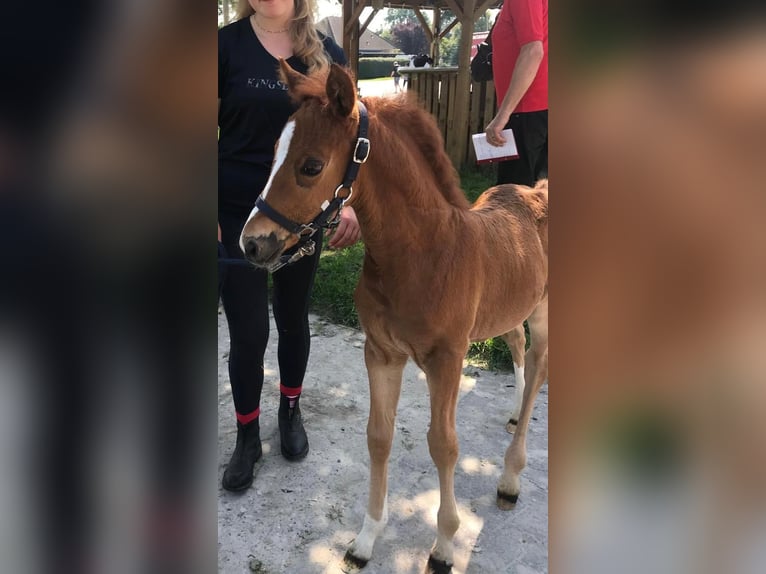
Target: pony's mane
x,y
404,117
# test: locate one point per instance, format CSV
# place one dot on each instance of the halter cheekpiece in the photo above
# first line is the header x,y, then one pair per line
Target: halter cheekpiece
x,y
305,231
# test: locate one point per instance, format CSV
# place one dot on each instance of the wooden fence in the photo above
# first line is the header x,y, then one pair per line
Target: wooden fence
x,y
436,92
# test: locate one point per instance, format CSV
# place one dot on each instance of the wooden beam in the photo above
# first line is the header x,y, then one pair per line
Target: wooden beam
x,y
363,27
483,7
463,83
351,36
456,9
446,31
435,41
354,16
424,23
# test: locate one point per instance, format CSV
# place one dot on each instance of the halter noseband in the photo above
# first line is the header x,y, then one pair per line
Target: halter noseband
x,y
305,231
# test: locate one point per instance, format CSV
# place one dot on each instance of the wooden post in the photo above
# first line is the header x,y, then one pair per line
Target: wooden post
x,y
351,11
463,85
436,36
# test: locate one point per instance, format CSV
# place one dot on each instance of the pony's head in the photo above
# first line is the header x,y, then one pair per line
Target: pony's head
x,y
311,158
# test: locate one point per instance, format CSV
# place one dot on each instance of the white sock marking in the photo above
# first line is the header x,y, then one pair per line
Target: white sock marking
x,y
519,378
371,529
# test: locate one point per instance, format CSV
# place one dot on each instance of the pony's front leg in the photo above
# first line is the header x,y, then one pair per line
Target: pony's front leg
x,y
443,369
384,371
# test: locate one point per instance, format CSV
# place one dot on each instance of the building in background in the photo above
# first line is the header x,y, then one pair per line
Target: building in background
x,y
370,44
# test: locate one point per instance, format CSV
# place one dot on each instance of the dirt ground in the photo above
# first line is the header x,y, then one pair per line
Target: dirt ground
x,y
300,517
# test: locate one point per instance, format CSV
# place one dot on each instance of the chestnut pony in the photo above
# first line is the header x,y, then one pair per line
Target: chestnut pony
x,y
438,273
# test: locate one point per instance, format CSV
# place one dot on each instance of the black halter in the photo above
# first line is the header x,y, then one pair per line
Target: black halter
x,y
325,219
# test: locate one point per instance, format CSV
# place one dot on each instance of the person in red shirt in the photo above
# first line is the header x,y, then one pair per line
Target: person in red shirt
x,y
520,67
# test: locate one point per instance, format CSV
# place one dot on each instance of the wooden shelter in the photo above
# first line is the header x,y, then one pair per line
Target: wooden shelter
x,y
451,96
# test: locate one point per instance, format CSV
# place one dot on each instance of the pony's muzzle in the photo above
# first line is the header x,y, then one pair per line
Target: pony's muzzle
x,y
262,250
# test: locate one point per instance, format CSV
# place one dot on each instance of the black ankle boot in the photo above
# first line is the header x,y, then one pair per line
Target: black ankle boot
x,y
295,443
239,474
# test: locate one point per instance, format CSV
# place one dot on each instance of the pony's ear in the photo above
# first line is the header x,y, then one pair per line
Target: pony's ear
x,y
340,91
290,77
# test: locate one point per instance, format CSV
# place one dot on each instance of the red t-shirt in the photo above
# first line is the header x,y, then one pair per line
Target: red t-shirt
x,y
521,22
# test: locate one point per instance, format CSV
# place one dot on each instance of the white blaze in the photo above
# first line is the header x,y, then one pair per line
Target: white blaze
x,y
282,148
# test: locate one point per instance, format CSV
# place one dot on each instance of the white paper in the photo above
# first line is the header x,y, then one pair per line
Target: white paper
x,y
486,152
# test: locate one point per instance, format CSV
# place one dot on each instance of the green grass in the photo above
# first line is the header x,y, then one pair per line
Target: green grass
x,y
338,274
475,182
335,282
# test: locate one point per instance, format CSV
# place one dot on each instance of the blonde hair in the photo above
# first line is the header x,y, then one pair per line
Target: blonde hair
x,y
306,43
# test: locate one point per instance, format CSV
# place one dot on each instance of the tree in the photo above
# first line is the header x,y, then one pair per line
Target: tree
x,y
484,23
450,44
396,16
448,48
409,38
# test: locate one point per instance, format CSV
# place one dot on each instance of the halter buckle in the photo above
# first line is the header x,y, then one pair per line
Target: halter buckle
x,y
306,250
335,221
361,150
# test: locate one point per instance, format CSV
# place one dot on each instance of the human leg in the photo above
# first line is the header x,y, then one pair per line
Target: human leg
x,y
245,301
292,293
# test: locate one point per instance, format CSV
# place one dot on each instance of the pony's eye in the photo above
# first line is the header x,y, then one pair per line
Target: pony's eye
x,y
312,167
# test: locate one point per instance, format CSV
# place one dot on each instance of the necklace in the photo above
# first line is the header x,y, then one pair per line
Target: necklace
x,y
262,29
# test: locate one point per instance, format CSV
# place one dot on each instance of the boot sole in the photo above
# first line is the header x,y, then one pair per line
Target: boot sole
x,y
295,457
246,485
239,488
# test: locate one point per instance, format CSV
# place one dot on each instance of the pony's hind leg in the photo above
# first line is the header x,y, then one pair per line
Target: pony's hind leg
x,y
384,371
516,341
443,369
536,373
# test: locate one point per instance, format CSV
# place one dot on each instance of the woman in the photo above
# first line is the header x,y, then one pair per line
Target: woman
x,y
253,108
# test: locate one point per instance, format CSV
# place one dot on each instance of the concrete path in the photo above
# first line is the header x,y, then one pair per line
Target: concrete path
x,y
300,517
377,87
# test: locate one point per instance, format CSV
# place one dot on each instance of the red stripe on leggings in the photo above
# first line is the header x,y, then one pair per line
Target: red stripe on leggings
x,y
290,391
244,419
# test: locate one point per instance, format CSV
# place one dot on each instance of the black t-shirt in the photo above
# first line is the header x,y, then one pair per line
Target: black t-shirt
x,y
254,109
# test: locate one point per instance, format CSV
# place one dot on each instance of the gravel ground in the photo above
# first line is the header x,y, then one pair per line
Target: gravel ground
x,y
300,517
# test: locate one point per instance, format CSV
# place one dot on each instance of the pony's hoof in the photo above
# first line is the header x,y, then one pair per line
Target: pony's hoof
x,y
510,426
352,564
436,566
506,501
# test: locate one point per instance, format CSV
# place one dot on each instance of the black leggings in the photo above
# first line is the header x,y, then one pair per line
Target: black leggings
x,y
245,301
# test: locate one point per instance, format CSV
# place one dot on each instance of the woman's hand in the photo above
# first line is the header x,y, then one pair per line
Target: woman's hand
x,y
348,232
219,232
493,129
